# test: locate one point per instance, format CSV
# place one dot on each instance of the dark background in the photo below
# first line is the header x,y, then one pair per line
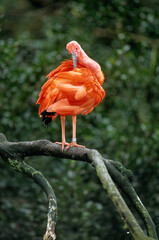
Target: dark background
x,y
123,36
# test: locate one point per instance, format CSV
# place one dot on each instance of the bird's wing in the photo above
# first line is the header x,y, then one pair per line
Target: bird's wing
x,y
79,86
49,93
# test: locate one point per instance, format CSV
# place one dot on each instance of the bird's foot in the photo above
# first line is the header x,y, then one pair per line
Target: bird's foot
x,y
64,143
74,144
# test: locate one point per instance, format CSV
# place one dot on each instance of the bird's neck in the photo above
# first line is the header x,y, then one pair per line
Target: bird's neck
x,y
89,63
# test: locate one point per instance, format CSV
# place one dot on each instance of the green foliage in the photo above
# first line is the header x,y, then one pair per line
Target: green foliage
x,y
123,127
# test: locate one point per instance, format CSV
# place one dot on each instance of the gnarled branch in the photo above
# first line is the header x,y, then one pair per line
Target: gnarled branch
x,y
15,152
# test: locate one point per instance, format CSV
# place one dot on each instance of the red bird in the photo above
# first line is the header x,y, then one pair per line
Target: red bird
x,y
75,87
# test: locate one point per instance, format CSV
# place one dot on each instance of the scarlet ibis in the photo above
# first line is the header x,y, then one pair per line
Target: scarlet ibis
x,y
75,87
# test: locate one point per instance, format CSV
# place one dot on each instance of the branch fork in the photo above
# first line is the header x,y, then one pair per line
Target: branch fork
x,y
112,175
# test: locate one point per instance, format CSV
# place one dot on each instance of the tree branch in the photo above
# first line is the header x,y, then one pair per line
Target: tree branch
x,y
39,179
15,152
125,213
123,182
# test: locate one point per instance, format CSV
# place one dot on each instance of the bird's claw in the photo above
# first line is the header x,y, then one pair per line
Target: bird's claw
x,y
74,144
63,144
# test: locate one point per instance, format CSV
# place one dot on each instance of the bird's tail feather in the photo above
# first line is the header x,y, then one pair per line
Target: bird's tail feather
x,y
48,117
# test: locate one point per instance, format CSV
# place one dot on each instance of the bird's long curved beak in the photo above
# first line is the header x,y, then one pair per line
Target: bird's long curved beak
x,y
74,59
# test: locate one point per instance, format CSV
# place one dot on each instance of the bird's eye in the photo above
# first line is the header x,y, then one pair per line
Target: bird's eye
x,y
76,48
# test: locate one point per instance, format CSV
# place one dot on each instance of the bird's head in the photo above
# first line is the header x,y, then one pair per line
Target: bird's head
x,y
74,49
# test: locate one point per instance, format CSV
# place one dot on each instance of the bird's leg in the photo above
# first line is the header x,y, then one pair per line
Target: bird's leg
x,y
74,140
63,143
